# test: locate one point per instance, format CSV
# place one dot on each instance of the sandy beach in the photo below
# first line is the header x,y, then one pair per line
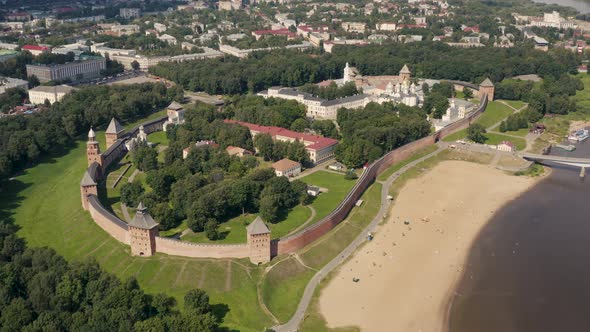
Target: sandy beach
x,y
408,272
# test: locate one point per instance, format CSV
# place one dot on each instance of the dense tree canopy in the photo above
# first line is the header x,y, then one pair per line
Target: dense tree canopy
x,y
435,60
24,139
369,133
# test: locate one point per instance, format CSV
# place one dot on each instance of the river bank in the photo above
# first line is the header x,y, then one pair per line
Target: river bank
x,y
407,273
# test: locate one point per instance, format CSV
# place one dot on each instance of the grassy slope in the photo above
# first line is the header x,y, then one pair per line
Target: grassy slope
x,y
416,155
45,203
282,288
337,187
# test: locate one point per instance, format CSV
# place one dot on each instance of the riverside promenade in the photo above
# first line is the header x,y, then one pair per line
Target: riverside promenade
x,y
293,324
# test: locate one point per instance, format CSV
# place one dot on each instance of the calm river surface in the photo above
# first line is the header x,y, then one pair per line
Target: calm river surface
x,y
529,269
583,6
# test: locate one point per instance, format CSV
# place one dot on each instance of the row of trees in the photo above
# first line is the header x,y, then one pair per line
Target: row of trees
x,y
435,60
368,133
332,91
277,150
25,139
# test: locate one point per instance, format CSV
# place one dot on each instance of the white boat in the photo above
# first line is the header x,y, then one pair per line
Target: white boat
x,y
579,135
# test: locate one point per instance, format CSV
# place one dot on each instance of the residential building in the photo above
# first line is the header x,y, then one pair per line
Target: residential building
x,y
90,67
506,146
11,83
168,39
8,46
356,27
160,27
386,26
129,13
36,49
124,29
278,32
53,94
287,167
318,148
230,5
237,151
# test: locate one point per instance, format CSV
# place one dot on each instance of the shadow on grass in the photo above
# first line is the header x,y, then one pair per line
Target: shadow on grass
x,y
220,310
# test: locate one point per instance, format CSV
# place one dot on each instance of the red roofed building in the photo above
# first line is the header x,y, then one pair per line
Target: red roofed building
x,y
474,29
36,49
278,32
319,148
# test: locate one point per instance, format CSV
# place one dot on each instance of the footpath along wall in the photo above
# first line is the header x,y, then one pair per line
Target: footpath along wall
x,y
119,229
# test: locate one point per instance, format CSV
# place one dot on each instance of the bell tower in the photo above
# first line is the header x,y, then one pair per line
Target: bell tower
x,y
93,149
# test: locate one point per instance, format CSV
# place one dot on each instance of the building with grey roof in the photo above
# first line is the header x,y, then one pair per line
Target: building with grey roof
x,y
10,83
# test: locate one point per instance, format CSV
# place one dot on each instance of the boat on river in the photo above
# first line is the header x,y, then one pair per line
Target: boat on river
x,y
578,136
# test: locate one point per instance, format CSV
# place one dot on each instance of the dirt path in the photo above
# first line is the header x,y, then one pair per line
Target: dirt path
x,y
313,214
179,275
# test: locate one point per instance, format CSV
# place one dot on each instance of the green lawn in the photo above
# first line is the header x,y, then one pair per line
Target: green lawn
x,y
494,139
158,137
45,202
494,113
515,103
416,155
320,253
521,132
283,286
337,187
234,230
461,134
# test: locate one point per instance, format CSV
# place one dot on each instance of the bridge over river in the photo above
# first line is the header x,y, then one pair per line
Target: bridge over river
x,y
576,162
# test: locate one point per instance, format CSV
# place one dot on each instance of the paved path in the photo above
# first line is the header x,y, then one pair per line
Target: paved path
x,y
125,213
316,168
293,324
132,177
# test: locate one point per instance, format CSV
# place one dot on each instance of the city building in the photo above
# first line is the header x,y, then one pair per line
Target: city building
x,y
129,13
38,95
278,32
36,49
552,20
90,67
318,148
230,5
168,39
458,109
10,83
287,167
355,27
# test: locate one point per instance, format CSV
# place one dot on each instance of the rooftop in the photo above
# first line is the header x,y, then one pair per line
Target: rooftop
x,y
53,89
285,164
311,141
257,227
142,218
114,127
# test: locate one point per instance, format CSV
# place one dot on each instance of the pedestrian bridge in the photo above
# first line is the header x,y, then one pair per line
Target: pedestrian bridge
x,y
577,162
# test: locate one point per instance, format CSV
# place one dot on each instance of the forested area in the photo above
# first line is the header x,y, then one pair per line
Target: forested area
x,y
551,96
267,112
434,60
41,291
26,139
209,187
369,133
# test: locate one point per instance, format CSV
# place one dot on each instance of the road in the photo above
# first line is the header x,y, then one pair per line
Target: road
x,y
293,324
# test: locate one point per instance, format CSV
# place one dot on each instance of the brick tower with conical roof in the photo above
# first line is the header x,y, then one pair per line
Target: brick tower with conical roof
x,y
486,88
405,74
114,132
143,231
258,241
93,149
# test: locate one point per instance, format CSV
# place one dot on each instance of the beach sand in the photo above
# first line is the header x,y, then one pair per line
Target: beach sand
x,y
408,272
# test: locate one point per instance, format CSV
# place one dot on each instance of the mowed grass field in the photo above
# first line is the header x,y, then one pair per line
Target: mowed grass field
x,y
337,187
45,203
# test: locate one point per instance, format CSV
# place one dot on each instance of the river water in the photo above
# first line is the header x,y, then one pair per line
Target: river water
x,y
583,6
529,269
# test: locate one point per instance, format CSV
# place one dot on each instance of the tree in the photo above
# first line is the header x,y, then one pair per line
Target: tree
x,y
211,229
476,133
197,301
265,146
269,208
135,65
144,157
299,125
33,81
467,93
131,193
